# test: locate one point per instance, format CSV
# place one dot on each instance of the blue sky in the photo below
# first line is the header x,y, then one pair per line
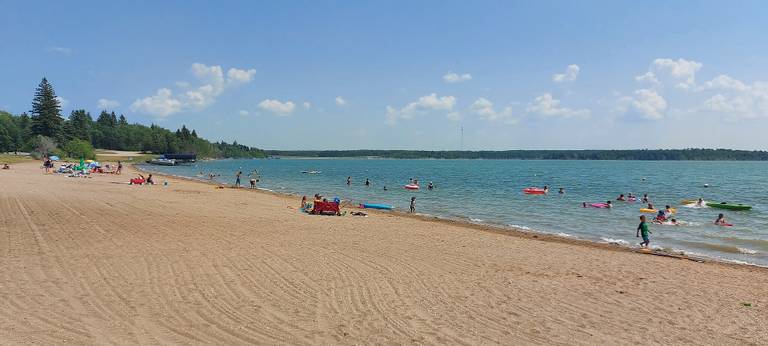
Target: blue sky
x,y
405,75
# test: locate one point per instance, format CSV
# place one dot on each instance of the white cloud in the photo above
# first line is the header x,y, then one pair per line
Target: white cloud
x,y
238,76
424,104
243,113
307,105
60,50
645,102
213,84
277,107
62,101
340,101
107,103
648,77
749,102
547,106
570,75
649,103
452,77
724,82
680,69
484,108
162,104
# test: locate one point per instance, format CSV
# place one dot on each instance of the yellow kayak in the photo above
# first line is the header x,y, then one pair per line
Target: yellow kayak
x,y
646,210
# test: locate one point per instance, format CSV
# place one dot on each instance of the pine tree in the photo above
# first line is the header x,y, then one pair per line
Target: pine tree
x,y
46,111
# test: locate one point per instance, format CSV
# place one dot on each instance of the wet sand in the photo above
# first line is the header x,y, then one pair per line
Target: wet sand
x,y
94,260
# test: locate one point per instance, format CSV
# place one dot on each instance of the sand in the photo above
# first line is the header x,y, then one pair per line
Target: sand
x,y
94,261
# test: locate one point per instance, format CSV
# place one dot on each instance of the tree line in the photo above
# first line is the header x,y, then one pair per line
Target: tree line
x,y
640,154
44,131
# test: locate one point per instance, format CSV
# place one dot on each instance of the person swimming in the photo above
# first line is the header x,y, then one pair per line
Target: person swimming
x,y
668,211
721,220
621,198
700,202
546,189
645,198
661,216
583,204
561,191
430,186
609,204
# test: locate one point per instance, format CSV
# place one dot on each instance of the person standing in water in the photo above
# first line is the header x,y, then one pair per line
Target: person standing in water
x,y
413,204
643,228
349,181
237,178
367,182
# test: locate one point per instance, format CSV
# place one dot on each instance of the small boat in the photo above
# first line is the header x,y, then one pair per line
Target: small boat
x,y
163,162
411,187
376,206
729,206
534,191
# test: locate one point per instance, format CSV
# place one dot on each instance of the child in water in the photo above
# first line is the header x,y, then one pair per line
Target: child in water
x,y
721,220
643,228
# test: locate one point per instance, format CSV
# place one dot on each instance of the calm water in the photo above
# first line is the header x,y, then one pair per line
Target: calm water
x,y
489,191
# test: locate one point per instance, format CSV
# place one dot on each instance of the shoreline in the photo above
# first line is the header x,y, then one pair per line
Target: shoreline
x,y
96,260
508,230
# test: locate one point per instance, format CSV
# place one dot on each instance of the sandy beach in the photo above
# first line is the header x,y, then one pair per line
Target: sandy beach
x,y
95,261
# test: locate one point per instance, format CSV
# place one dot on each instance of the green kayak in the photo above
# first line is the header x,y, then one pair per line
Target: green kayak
x,y
730,206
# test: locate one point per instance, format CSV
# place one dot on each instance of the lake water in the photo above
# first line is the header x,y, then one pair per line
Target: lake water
x,y
490,191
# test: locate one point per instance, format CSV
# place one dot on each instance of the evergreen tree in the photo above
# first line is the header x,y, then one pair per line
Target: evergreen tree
x,y
46,111
80,123
122,121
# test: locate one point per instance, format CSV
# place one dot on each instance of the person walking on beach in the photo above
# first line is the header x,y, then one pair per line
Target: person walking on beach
x,y
119,168
253,183
47,164
413,204
237,178
643,229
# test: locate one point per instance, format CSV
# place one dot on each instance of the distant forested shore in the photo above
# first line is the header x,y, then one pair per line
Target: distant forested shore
x,y
639,154
44,131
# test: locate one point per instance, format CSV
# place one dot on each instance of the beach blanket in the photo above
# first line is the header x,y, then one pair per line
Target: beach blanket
x,y
325,208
